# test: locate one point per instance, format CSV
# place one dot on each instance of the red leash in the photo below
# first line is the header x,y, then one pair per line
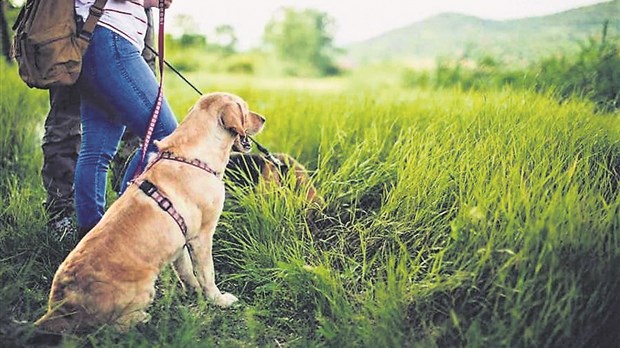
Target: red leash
x,y
160,92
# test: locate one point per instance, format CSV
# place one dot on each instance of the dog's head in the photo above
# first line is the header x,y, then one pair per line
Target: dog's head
x,y
241,124
234,117
223,118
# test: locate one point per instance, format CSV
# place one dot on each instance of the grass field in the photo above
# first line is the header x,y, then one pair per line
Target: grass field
x,y
478,219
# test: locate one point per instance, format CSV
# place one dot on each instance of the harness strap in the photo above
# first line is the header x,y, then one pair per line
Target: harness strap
x,y
195,162
164,203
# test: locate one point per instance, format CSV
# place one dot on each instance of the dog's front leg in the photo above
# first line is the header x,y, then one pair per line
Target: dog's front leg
x,y
202,259
185,271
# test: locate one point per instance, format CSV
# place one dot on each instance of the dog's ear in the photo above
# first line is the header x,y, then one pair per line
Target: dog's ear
x,y
232,118
255,123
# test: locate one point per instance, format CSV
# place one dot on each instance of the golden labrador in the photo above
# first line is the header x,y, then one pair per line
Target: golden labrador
x,y
109,277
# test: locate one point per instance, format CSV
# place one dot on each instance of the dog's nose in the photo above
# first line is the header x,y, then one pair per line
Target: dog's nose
x,y
245,142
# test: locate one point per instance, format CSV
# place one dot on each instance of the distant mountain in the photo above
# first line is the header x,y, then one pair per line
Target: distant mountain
x,y
520,40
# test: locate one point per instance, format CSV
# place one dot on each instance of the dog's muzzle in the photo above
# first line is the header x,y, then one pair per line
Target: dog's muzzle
x,y
245,143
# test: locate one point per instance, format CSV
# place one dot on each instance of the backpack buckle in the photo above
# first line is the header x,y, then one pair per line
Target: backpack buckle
x,y
95,11
86,36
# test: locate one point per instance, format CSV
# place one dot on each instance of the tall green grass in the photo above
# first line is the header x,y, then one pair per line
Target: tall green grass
x,y
25,252
451,219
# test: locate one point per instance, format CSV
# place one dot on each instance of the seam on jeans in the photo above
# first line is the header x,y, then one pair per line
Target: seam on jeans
x,y
100,178
126,76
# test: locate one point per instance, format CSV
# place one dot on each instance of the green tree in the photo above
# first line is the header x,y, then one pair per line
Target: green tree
x,y
187,26
226,38
303,39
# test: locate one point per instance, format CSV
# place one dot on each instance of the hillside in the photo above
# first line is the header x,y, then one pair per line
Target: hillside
x,y
520,40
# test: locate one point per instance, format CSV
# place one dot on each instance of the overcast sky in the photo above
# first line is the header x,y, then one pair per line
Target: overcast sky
x,y
355,19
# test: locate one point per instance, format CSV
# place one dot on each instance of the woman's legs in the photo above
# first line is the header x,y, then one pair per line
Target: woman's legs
x,y
100,138
118,89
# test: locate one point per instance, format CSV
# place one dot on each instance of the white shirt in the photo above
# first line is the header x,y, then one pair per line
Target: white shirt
x,y
127,18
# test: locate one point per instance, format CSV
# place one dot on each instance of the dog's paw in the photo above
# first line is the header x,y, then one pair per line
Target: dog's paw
x,y
225,300
146,318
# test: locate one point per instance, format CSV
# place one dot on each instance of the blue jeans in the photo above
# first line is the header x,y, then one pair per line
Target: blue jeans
x,y
118,90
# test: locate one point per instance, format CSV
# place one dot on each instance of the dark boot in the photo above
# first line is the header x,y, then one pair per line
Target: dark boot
x,y
60,225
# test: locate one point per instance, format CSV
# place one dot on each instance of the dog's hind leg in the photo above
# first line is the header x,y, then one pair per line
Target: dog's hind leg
x,y
184,270
129,320
134,312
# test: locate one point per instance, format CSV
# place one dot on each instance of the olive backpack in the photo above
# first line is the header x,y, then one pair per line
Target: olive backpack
x,y
49,42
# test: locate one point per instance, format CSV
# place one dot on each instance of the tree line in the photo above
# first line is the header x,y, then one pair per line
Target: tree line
x,y
302,39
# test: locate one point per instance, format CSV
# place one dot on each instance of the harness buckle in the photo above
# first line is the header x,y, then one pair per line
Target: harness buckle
x,y
148,188
165,204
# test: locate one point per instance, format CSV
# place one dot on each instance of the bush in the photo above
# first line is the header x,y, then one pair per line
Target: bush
x,y
240,64
593,73
483,73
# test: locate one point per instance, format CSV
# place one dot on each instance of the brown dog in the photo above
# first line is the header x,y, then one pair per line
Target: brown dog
x,y
109,277
247,169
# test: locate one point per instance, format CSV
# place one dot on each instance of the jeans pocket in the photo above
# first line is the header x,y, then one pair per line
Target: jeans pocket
x,y
123,48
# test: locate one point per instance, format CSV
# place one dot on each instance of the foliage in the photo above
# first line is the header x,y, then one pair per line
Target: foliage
x,y
303,39
11,11
187,52
21,112
241,64
192,50
226,38
195,40
186,27
452,218
593,73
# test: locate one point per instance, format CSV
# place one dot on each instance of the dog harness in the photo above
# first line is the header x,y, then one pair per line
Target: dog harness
x,y
164,203
195,162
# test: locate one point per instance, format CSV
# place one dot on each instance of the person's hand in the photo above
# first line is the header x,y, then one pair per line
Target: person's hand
x,y
155,3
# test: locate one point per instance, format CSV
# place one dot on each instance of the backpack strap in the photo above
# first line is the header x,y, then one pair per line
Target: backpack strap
x,y
95,12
